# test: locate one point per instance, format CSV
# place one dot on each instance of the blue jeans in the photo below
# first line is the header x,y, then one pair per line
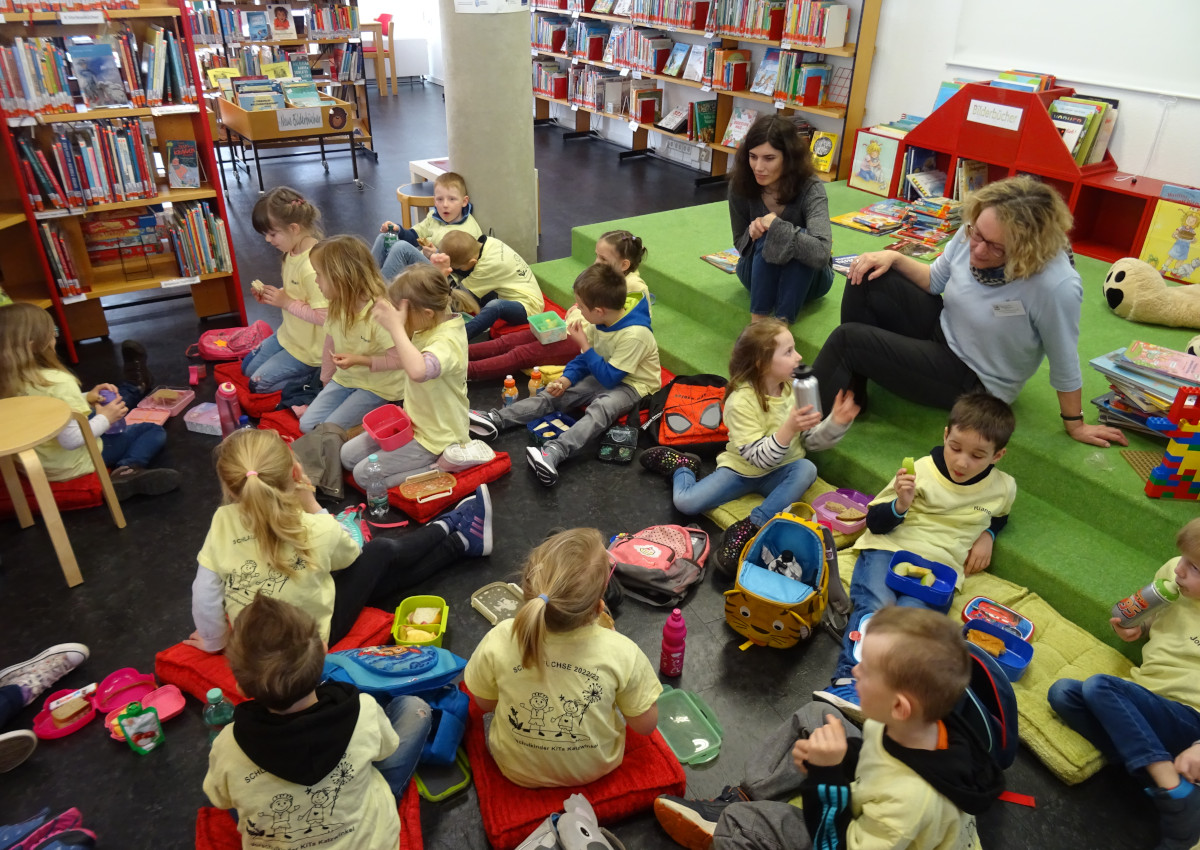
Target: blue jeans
x,y
868,593
339,405
781,290
269,367
411,717
512,312
137,445
1127,723
779,488
401,256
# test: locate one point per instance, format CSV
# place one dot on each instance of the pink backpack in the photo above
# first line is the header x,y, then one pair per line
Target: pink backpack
x,y
230,343
658,565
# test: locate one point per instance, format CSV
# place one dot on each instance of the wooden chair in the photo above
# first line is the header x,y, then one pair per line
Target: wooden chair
x,y
383,50
27,422
414,196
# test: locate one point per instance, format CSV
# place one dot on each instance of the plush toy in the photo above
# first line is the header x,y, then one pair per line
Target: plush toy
x,y
1193,346
1136,291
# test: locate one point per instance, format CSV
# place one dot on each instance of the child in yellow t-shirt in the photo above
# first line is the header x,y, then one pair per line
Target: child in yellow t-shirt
x,y
291,225
1150,723
563,687
496,275
452,210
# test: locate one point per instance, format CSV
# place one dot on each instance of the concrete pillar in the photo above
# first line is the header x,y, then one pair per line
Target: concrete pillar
x,y
489,121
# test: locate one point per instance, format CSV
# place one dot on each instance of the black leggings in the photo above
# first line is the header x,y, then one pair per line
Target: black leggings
x,y
891,334
386,567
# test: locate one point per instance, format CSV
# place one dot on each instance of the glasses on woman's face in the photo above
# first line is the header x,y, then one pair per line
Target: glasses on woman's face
x,y
994,248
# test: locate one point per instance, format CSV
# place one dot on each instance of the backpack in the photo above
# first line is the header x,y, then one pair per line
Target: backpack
x,y
989,707
63,830
359,527
688,414
771,609
230,343
658,564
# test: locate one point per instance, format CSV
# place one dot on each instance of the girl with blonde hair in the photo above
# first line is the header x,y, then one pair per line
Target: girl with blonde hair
x,y
271,537
563,687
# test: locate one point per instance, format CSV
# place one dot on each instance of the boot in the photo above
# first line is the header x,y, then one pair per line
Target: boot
x,y
136,370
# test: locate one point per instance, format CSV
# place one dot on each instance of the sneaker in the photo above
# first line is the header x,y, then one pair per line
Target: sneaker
x,y
732,543
15,747
484,424
544,463
459,456
690,823
665,461
44,669
136,370
472,518
1178,819
138,481
843,695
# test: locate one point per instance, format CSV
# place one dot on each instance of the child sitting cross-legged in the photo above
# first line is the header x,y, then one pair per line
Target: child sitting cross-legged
x,y
616,366
451,211
298,747
915,778
495,274
948,509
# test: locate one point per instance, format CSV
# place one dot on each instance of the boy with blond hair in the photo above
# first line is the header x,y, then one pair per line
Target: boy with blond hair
x,y
916,777
303,758
452,211
496,275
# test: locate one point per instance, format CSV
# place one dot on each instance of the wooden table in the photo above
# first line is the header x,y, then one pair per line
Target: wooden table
x,y
421,170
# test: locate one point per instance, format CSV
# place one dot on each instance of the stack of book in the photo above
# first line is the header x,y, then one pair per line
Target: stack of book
x,y
803,83
899,128
1023,81
931,221
879,218
117,234
1086,124
589,40
258,94
1143,380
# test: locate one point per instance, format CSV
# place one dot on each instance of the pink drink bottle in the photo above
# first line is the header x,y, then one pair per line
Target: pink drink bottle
x,y
228,408
673,644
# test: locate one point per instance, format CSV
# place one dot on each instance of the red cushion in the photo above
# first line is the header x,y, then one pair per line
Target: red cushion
x,y
511,812
253,404
283,421
501,327
465,483
195,672
70,495
217,830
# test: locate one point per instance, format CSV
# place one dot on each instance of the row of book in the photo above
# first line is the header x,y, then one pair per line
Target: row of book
x,y
1143,381
200,239
276,22
784,75
62,264
931,220
747,18
1086,124
816,23
8,7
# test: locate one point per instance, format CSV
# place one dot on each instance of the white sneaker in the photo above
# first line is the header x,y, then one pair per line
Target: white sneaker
x,y
458,456
40,672
15,747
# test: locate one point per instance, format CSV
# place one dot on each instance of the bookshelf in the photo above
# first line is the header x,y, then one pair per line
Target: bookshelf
x,y
99,208
1112,210
854,58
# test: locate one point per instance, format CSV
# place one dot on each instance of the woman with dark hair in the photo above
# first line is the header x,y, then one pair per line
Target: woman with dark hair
x,y
780,219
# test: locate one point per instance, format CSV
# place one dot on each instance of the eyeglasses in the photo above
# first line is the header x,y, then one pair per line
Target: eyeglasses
x,y
974,236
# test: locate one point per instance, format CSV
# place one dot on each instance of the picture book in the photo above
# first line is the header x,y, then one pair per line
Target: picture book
x,y
738,126
929,184
99,78
602,7
768,70
301,70
841,264
260,102
183,164
822,147
867,222
1170,244
676,60
915,159
726,260
283,25
916,250
1070,127
694,69
675,120
891,207
277,70
301,94
1164,363
215,75
874,163
972,176
704,121
258,26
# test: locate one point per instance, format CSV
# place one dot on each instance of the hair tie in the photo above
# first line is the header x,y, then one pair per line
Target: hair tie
x,y
250,472
297,201
544,598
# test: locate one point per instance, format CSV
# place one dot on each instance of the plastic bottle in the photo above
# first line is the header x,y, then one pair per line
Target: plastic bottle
x,y
510,393
377,497
116,427
1132,610
786,565
228,408
804,387
244,423
673,644
535,381
217,713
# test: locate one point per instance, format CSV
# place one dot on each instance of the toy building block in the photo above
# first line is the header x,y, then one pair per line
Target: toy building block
x,y
1175,477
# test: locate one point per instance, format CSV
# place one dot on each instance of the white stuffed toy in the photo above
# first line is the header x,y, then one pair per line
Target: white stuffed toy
x,y
1136,291
1193,346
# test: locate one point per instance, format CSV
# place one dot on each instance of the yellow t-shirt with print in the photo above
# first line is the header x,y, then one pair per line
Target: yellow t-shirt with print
x,y
502,270
748,423
561,725
438,407
633,284
232,552
632,349
62,464
433,228
351,808
1171,657
366,336
303,340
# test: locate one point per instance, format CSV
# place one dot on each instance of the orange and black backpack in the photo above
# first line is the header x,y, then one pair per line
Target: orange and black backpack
x,y
688,414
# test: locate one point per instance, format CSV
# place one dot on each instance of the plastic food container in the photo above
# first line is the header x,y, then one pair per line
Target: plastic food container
x,y
153,415
46,728
498,601
828,505
1017,653
936,596
549,427
688,726
203,419
389,426
411,604
982,608
548,327
171,399
168,701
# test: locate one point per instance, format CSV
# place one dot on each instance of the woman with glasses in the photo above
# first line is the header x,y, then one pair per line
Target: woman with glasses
x,y
1003,296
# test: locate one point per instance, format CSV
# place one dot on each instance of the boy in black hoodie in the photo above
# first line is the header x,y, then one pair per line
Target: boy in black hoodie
x,y
304,760
915,778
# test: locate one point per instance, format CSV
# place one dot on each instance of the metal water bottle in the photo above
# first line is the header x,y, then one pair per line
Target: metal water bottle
x,y
1132,610
804,388
673,644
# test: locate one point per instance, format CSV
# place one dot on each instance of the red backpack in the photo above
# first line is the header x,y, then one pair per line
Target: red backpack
x,y
230,343
658,564
688,413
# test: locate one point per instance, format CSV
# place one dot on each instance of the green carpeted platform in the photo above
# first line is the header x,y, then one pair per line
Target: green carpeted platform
x,y
1082,533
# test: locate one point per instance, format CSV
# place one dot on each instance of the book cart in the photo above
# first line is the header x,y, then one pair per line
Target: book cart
x,y
1012,133
858,52
44,254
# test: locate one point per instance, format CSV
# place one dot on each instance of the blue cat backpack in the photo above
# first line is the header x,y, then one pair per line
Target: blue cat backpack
x,y
770,609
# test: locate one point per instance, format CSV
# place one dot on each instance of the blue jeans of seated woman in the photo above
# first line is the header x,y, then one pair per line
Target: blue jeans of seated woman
x,y
512,312
411,717
391,262
780,290
137,445
868,593
269,367
340,405
779,488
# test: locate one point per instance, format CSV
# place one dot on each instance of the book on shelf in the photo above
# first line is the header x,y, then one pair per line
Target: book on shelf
x,y
739,124
947,90
1024,80
810,83
215,75
874,162
100,82
675,120
730,69
916,250
283,25
865,222
694,69
1070,127
258,26
702,125
62,264
183,164
841,263
262,102
928,184
646,107
277,70
726,260
301,70
676,60
1180,194
815,23
602,7
622,7
767,74
823,145
1170,244
970,176
899,128
92,162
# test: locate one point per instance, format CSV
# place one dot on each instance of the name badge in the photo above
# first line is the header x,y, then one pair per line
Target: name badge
x,y
1007,309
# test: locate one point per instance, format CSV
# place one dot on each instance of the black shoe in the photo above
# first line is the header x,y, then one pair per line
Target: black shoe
x,y
1178,819
136,370
136,481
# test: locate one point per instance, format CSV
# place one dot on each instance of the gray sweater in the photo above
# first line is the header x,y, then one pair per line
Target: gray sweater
x,y
802,232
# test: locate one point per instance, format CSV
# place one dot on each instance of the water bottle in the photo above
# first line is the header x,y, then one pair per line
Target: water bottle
x,y
390,238
1133,610
786,565
244,423
228,409
535,381
673,645
509,393
115,427
804,388
373,483
217,713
